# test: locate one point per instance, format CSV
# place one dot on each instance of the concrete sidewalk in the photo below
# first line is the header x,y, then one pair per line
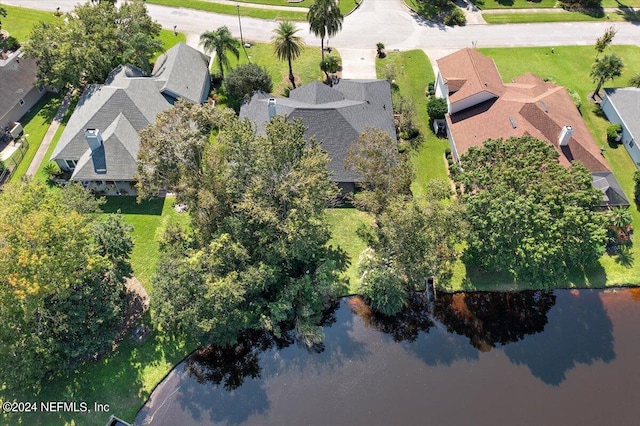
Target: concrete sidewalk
x,y
48,137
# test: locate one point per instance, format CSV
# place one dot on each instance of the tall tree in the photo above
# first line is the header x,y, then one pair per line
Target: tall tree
x,y
605,68
529,216
220,42
257,256
386,172
325,20
605,40
287,45
91,41
60,295
411,242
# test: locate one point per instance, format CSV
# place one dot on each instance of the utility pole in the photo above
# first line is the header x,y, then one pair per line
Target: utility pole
x,y
242,38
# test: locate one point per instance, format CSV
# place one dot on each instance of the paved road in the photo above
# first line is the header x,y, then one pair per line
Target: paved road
x,y
387,21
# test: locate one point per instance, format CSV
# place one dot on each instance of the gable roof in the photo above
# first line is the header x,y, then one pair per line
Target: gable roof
x,y
115,159
613,194
184,72
468,73
533,107
626,101
127,103
17,78
334,116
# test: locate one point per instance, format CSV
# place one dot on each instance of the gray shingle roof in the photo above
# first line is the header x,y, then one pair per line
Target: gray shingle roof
x,y
185,73
626,101
115,159
127,103
613,195
17,77
335,117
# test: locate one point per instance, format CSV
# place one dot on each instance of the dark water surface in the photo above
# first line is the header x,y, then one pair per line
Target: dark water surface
x,y
562,358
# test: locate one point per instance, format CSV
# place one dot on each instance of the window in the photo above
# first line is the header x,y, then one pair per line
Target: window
x,y
71,164
631,144
21,102
40,88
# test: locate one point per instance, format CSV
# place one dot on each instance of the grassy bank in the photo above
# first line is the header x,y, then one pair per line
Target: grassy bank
x,y
519,18
232,9
543,4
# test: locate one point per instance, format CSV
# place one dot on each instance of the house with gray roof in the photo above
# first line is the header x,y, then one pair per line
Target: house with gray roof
x,y
100,143
335,116
621,105
18,91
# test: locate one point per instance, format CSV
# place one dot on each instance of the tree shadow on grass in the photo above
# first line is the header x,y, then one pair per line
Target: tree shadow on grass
x,y
128,205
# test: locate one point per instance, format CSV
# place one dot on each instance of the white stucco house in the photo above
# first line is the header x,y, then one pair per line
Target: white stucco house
x,y
621,105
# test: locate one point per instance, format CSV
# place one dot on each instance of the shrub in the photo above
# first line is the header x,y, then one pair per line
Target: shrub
x,y
245,79
636,188
9,43
612,133
431,88
455,17
437,108
447,152
52,170
380,50
577,101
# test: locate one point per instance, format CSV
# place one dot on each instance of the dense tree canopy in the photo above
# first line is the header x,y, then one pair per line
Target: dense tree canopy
x,y
258,255
412,241
246,79
91,41
529,216
386,172
61,288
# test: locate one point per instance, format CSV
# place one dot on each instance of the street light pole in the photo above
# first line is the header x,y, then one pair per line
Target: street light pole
x,y
242,38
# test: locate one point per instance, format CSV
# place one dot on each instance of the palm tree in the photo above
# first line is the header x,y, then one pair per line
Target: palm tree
x,y
605,68
325,20
220,42
287,45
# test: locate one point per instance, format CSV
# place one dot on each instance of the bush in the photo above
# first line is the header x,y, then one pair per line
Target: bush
x,y
52,170
575,98
636,188
455,17
431,88
9,43
245,79
612,133
437,108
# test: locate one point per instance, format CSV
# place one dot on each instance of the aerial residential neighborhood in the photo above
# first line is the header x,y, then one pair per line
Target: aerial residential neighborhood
x,y
320,212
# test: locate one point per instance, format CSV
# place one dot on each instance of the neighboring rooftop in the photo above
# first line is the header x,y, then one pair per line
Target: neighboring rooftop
x,y
334,116
184,72
626,101
17,77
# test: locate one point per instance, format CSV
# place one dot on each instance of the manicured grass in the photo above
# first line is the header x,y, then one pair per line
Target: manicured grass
x,y
343,223
169,39
413,74
231,9
36,123
518,18
20,20
346,6
306,68
524,4
569,66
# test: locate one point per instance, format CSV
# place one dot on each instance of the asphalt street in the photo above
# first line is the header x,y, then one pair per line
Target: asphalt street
x,y
386,21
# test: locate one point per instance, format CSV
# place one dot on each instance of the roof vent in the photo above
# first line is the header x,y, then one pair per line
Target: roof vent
x,y
513,122
543,106
271,105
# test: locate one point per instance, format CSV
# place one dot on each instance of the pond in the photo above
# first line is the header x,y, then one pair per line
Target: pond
x,y
531,358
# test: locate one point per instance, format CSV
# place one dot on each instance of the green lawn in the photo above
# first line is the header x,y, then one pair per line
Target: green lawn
x,y
231,9
346,6
169,39
306,68
569,66
36,123
20,20
413,74
524,4
343,223
516,18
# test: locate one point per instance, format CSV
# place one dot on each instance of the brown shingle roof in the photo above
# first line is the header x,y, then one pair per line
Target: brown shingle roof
x,y
477,72
537,108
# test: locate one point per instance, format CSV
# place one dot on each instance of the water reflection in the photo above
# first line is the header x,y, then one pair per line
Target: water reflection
x,y
582,333
489,319
505,355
